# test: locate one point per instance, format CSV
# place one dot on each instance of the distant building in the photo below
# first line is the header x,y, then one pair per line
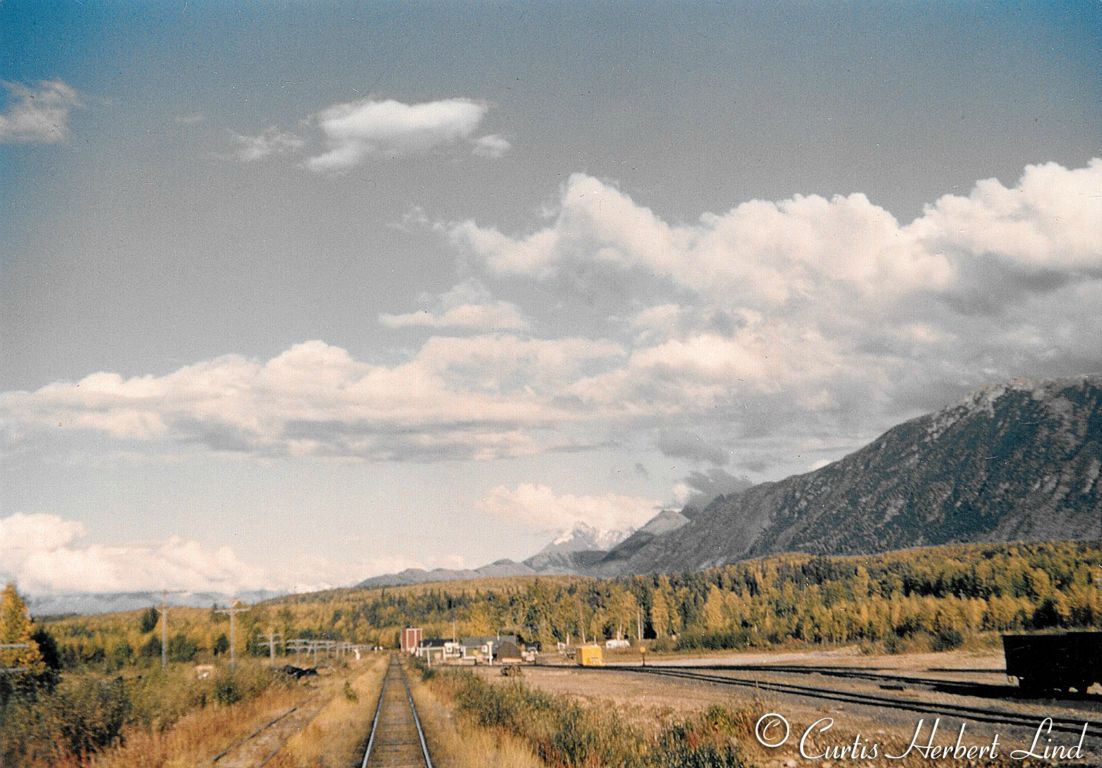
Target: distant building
x,y
508,652
436,650
481,648
411,639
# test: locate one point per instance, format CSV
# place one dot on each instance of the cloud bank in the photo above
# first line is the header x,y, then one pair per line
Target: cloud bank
x,y
43,552
47,554
775,329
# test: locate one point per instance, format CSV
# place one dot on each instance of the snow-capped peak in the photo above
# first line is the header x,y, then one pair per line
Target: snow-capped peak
x,y
583,537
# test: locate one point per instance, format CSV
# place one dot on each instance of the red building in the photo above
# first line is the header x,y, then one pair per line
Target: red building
x,y
411,638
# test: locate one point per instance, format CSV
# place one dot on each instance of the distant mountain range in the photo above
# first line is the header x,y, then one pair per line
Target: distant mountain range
x,y
1019,461
563,555
61,604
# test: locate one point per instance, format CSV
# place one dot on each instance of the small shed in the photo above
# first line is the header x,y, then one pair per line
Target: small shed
x,y
508,652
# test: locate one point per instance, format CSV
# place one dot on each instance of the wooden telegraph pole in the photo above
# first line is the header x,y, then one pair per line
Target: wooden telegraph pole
x,y
271,643
163,610
234,609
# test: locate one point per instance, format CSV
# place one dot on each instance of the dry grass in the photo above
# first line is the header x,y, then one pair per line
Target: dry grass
x,y
335,737
650,705
198,736
455,743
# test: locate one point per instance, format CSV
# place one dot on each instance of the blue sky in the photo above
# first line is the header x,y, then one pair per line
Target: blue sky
x,y
296,293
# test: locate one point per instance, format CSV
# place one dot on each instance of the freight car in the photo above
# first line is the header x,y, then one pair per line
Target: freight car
x,y
1057,661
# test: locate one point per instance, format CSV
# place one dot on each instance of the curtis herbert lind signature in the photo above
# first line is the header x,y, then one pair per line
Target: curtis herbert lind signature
x,y
773,731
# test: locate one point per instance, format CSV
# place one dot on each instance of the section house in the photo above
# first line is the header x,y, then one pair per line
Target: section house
x,y
436,650
482,649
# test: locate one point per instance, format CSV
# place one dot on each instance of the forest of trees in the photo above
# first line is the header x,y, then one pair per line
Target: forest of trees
x,y
926,597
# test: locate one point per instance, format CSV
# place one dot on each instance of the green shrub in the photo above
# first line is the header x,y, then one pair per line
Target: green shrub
x,y
90,713
947,639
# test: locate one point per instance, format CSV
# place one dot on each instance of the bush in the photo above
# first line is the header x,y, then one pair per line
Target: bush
x,y
947,639
90,713
182,648
147,622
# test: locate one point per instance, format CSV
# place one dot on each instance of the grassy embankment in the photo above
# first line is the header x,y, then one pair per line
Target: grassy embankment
x,y
560,732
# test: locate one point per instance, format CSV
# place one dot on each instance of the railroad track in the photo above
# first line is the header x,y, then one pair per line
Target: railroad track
x,y
258,747
397,739
979,714
874,674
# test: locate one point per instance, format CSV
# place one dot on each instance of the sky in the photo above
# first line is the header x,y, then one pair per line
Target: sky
x,y
293,294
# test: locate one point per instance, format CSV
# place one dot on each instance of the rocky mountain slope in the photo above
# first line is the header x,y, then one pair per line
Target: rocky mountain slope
x,y
1014,462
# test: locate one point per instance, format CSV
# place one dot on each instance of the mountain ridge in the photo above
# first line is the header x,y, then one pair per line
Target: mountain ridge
x,y
1015,461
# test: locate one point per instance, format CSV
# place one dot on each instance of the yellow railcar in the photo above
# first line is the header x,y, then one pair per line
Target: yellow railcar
x,y
590,656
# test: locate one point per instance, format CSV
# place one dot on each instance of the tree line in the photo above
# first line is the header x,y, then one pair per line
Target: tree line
x,y
935,596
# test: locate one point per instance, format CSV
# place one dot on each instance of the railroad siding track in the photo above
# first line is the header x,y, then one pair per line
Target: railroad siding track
x,y
397,739
257,748
896,680
876,675
979,714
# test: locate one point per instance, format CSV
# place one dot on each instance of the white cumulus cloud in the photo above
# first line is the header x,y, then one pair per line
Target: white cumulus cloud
x,y
540,507
467,306
356,130
481,397
44,553
778,333
38,115
491,145
272,141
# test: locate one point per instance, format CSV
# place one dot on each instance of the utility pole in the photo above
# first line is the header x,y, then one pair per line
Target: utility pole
x,y
271,643
234,609
163,610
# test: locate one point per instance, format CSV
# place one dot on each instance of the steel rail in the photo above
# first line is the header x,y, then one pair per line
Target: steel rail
x,y
417,722
396,667
375,720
